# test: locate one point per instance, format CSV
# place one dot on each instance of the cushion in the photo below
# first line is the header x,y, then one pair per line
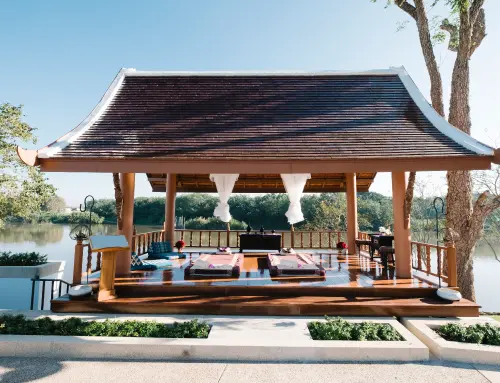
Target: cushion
x,y
160,247
160,264
171,255
135,260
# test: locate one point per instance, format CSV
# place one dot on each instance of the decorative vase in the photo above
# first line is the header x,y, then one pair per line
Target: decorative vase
x,y
249,229
273,231
261,229
180,250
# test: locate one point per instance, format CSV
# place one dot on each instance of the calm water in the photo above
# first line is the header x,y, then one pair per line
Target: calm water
x,y
54,241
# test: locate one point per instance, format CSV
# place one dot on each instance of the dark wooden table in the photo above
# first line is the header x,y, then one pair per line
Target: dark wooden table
x,y
260,242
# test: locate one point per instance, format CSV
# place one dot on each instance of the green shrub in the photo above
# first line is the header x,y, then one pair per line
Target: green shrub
x,y
340,329
213,223
19,325
8,258
480,333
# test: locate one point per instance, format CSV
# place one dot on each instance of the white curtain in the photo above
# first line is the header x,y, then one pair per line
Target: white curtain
x,y
294,186
224,184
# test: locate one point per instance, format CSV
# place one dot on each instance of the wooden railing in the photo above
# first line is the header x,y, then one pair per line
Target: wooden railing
x,y
436,261
80,249
231,238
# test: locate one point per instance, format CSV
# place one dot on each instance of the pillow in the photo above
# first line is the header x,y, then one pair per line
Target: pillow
x,y
135,260
160,247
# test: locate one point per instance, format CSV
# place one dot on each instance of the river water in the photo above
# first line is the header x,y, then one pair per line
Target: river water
x,y
54,240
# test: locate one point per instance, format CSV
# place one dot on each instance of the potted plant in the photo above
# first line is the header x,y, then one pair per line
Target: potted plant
x,y
179,245
341,250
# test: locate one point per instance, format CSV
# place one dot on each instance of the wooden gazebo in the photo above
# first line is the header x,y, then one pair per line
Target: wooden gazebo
x,y
341,127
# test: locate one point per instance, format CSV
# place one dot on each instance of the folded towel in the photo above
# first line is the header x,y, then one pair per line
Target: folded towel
x,y
221,267
288,264
201,264
308,266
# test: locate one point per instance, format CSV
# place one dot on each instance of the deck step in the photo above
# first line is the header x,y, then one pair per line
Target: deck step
x,y
271,305
154,290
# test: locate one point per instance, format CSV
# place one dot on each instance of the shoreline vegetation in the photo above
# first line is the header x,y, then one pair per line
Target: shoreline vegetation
x,y
326,211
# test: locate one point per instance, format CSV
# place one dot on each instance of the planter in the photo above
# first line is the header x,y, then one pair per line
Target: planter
x,y
30,272
16,285
423,328
230,339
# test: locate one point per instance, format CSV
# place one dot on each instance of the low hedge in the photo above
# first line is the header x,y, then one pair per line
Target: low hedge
x,y
20,325
340,329
8,258
480,333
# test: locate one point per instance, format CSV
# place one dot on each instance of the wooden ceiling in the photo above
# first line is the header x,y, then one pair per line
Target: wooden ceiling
x,y
261,183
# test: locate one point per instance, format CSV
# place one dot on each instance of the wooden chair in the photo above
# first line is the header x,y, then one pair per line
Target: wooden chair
x,y
386,252
362,242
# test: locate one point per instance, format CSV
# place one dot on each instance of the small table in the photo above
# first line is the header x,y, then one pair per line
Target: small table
x,y
260,242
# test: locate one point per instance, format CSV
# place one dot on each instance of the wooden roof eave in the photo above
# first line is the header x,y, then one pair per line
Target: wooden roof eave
x,y
375,165
29,157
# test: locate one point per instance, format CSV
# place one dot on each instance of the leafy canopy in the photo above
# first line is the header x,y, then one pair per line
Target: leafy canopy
x,y
23,190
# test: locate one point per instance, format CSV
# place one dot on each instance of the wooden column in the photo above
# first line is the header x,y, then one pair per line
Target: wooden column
x,y
451,253
171,187
78,263
402,236
127,182
352,212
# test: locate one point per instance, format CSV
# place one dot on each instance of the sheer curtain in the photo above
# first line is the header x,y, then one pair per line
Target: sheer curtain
x,y
224,184
294,186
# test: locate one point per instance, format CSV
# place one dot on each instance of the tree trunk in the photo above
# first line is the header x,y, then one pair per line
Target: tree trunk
x,y
459,199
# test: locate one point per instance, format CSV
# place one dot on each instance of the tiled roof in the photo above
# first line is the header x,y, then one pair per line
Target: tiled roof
x,y
244,117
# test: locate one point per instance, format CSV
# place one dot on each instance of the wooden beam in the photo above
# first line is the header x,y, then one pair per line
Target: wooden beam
x,y
137,165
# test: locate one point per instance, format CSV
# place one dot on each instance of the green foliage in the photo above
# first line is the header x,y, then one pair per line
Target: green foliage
x,y
340,329
8,258
73,217
19,325
55,205
480,333
213,223
23,189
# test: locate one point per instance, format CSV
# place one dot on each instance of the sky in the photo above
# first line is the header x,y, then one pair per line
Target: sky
x,y
60,56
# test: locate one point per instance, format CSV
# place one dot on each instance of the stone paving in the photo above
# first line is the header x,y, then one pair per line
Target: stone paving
x,y
13,370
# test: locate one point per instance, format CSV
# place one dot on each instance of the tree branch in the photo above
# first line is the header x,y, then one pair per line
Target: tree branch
x,y
409,198
475,10
118,200
407,7
478,31
452,29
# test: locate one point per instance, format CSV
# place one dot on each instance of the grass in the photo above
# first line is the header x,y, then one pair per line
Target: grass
x,y
479,333
8,258
340,329
20,325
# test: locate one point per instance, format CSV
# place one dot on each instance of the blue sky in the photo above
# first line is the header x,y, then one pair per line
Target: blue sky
x,y
60,56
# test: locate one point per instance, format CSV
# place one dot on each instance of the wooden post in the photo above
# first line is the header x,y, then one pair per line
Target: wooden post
x,y
352,212
127,181
107,280
78,263
402,236
228,234
292,239
451,254
171,189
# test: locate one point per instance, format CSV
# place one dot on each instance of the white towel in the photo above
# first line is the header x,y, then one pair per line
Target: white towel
x,y
287,264
201,264
309,266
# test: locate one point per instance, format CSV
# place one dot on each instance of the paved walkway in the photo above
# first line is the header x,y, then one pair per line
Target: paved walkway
x,y
13,370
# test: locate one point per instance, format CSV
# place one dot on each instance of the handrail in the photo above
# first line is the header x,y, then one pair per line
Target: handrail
x,y
43,280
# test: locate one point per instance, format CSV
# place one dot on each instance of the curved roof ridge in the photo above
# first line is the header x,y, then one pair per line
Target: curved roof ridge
x,y
93,116
438,121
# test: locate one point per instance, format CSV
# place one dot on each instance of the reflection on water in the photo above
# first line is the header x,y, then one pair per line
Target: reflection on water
x,y
53,240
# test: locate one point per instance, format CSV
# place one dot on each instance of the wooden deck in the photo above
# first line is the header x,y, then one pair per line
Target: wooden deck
x,y
353,286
